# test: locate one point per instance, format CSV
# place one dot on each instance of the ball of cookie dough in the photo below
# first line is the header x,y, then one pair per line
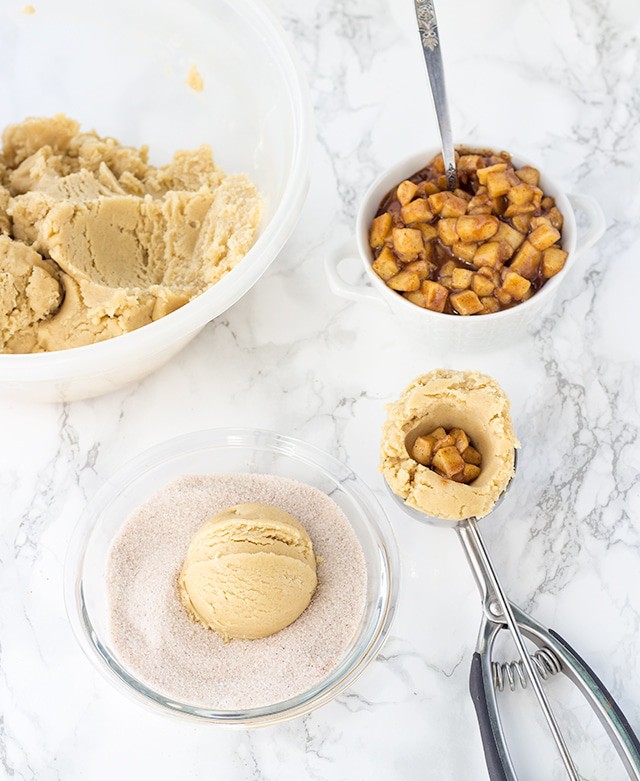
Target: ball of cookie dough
x,y
249,572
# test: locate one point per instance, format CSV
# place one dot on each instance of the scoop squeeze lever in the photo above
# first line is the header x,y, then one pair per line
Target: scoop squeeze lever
x,y
554,655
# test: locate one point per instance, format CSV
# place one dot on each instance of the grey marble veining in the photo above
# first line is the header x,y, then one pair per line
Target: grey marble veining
x,y
558,82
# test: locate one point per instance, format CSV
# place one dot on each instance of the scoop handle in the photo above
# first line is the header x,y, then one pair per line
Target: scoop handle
x,y
503,613
605,707
497,765
567,661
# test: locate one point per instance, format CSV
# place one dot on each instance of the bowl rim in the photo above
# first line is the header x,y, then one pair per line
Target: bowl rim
x,y
196,313
348,669
405,306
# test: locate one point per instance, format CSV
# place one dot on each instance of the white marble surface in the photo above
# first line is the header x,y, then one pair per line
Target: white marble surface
x,y
559,82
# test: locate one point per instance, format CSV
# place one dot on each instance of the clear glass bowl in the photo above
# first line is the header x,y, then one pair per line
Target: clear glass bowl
x,y
228,450
121,70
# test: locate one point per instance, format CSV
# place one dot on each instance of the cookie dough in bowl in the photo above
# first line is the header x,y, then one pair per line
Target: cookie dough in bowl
x,y
467,401
111,242
120,77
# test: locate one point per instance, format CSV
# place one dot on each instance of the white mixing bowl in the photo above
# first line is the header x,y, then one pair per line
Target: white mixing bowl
x,y
121,70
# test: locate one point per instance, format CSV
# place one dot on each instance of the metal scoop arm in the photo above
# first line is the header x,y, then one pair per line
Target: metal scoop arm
x,y
554,652
484,695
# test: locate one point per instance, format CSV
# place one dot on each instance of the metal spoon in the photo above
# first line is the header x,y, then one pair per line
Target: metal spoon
x,y
428,27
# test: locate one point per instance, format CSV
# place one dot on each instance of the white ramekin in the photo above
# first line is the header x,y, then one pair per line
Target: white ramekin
x,y
451,332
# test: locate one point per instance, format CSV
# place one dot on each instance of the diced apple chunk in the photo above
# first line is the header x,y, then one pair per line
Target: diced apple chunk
x,y
429,232
515,285
416,297
476,227
386,264
489,254
544,236
483,173
408,242
480,203
553,260
447,282
490,273
453,206
429,188
498,183
538,220
514,209
556,218
482,286
406,191
521,194
437,201
503,297
466,302
470,473
510,235
422,450
489,305
463,194
447,231
461,278
416,211
461,439
464,251
420,267
446,269
429,252
529,175
472,456
468,164
527,261
380,228
446,441
436,295
448,461
404,281
521,222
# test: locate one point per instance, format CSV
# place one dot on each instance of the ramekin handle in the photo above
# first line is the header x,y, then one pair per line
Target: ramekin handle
x,y
597,221
355,292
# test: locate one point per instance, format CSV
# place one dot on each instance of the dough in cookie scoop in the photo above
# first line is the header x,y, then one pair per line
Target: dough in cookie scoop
x,y
249,572
470,401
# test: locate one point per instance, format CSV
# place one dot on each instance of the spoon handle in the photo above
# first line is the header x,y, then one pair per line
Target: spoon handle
x,y
428,27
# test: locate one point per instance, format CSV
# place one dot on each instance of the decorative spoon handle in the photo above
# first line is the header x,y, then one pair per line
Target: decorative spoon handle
x,y
428,27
